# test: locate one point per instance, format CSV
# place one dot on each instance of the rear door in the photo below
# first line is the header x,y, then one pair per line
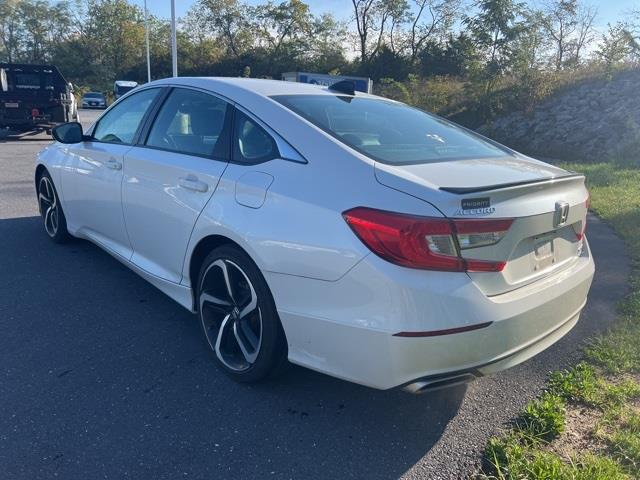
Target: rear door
x,y
170,176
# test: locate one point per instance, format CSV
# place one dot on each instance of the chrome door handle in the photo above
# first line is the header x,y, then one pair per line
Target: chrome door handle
x,y
113,164
192,183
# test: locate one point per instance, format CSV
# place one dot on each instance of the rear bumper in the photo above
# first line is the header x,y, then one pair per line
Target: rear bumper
x,y
346,328
24,120
507,360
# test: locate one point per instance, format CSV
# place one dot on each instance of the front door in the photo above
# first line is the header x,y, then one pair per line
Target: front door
x,y
92,179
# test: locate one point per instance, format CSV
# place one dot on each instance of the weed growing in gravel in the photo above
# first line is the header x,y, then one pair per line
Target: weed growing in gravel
x,y
543,418
580,384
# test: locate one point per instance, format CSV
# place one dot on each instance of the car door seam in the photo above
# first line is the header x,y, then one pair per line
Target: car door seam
x,y
124,217
193,227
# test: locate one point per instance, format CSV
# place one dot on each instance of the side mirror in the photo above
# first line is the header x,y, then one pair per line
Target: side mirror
x,y
68,133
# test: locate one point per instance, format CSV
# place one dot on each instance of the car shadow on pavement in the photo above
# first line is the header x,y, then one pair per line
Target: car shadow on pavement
x,y
104,376
32,136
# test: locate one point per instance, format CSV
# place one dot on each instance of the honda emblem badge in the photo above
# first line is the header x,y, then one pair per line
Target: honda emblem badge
x,y
561,215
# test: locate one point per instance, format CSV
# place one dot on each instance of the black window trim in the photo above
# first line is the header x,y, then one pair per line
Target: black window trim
x,y
151,119
234,139
134,140
285,150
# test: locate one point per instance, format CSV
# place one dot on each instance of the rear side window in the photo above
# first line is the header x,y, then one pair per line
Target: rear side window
x,y
389,132
251,143
120,124
193,123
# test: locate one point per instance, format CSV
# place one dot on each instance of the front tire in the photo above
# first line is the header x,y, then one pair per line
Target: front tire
x,y
55,223
238,316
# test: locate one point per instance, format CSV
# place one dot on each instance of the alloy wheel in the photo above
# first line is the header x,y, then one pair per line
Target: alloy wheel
x,y
48,205
230,315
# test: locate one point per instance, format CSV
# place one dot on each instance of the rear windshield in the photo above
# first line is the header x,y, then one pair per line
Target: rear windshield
x,y
122,90
29,81
93,95
389,132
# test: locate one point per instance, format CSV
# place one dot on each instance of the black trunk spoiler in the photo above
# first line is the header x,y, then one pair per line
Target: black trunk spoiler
x,y
502,186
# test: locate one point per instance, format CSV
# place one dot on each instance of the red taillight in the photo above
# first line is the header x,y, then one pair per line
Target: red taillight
x,y
425,242
583,225
587,202
35,112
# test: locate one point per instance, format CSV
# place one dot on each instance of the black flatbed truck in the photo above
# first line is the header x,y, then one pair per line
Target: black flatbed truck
x,y
34,97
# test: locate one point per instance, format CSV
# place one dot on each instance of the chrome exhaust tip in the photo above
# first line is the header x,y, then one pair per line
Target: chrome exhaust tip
x,y
427,385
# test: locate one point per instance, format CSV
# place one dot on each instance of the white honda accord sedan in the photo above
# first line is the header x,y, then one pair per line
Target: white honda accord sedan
x,y
348,233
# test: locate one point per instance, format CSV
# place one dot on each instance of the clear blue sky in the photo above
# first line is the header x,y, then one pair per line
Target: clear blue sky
x,y
608,10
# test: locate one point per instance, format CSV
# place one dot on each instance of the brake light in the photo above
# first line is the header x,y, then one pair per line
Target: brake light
x,y
35,112
425,242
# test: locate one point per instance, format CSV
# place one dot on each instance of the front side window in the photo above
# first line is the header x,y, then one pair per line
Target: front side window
x,y
192,122
119,125
389,132
252,144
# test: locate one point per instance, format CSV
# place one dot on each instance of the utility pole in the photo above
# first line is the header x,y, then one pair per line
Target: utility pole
x,y
174,42
146,39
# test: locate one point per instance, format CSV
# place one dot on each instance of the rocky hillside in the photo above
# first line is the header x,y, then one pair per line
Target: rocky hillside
x,y
592,121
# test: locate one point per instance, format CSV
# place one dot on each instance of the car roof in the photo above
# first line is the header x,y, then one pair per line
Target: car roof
x,y
258,86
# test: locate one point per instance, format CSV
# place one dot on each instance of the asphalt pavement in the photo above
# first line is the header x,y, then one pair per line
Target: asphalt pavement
x,y
102,376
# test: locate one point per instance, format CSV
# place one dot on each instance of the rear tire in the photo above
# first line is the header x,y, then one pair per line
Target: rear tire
x,y
59,114
238,317
55,223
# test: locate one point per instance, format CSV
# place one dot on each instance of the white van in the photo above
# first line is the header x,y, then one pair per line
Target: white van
x,y
120,87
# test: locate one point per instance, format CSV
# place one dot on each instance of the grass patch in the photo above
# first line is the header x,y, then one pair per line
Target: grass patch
x,y
580,384
617,351
543,418
626,448
606,381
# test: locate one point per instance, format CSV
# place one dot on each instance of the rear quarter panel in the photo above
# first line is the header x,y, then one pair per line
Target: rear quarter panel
x,y
299,230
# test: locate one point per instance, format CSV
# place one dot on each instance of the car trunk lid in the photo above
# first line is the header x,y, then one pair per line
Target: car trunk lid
x,y
548,205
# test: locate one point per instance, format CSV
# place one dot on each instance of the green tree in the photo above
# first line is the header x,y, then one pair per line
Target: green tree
x,y
457,57
429,21
199,48
283,28
569,24
115,33
495,29
228,21
615,46
325,44
31,29
9,30
374,19
529,47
